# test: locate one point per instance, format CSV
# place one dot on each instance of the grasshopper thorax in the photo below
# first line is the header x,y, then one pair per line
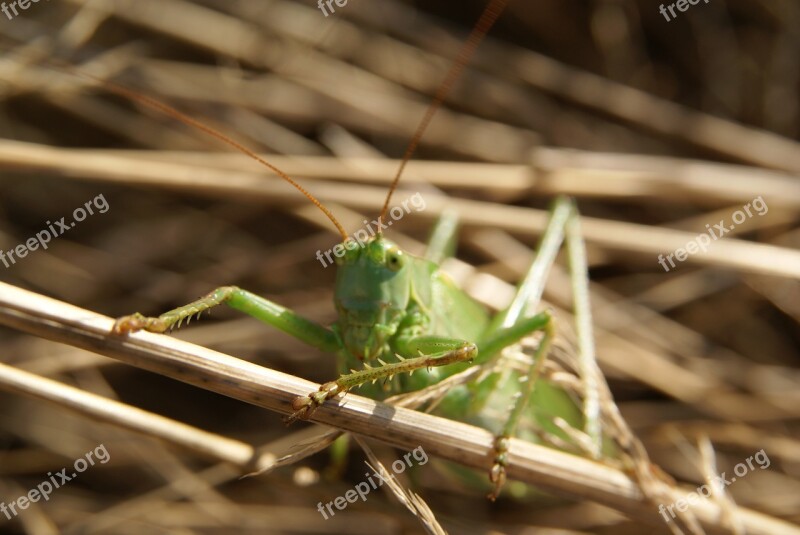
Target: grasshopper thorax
x,y
373,289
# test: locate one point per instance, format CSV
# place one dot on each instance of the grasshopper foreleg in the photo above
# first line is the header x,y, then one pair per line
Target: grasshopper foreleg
x,y
463,351
284,319
174,318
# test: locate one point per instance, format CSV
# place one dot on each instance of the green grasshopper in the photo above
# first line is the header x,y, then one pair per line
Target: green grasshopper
x,y
398,314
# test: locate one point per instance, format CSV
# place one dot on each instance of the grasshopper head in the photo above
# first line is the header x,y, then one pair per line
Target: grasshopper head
x,y
373,288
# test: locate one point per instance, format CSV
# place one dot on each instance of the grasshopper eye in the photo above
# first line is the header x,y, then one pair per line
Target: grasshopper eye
x,y
395,259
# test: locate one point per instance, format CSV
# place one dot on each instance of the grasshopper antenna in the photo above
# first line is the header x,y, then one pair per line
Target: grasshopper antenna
x,y
486,21
175,114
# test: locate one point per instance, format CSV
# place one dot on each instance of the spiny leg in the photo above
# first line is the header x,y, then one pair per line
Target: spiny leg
x,y
497,474
587,364
262,309
511,324
433,351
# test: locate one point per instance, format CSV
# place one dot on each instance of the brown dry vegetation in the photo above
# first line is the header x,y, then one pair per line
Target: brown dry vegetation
x,y
656,128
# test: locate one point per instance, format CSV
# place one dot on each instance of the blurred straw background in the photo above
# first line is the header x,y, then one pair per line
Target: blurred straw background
x,y
657,128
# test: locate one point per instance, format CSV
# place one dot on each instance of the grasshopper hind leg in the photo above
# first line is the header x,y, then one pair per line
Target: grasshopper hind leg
x,y
442,242
511,323
497,474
